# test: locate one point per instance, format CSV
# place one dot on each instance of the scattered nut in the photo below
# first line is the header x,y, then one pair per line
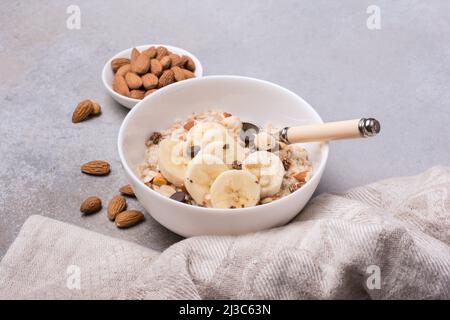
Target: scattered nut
x,y
83,110
115,206
91,205
127,190
300,176
155,137
129,218
96,168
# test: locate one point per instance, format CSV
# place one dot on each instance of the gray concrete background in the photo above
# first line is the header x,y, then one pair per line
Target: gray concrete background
x,y
320,49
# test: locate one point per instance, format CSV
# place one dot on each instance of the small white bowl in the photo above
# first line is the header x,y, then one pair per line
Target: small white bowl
x,y
252,100
108,75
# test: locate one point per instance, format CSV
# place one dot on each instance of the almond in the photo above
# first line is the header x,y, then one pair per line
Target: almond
x,y
149,81
123,70
176,60
227,114
165,62
141,64
188,125
184,60
188,74
161,52
91,205
82,111
115,206
300,176
120,86
96,109
129,218
96,168
134,54
133,80
166,78
190,65
137,94
178,73
155,67
127,190
150,52
149,92
119,62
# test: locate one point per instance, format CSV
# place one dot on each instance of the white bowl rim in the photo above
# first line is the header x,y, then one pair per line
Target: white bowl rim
x,y
220,211
108,86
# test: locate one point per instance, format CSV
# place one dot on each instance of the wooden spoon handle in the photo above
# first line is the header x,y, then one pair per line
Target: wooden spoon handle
x,y
349,129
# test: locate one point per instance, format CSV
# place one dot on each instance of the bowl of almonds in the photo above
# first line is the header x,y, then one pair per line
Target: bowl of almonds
x,y
135,73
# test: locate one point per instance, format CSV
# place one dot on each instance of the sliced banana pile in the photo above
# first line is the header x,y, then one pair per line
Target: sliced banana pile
x,y
205,164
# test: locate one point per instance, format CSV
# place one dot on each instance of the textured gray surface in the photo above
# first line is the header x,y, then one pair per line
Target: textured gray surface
x,y
320,49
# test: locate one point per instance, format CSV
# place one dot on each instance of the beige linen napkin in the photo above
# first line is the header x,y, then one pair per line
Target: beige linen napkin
x,y
387,240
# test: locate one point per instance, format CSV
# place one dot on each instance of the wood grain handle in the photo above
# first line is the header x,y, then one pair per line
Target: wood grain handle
x,y
349,129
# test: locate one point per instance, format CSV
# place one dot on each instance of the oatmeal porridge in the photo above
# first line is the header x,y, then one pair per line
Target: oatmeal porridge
x,y
215,160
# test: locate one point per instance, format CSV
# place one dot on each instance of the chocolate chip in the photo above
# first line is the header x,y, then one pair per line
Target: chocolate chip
x,y
155,137
225,146
236,165
248,132
179,196
193,150
286,163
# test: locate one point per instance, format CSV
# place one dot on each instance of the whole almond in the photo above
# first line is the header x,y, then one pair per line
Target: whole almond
x,y
150,52
96,109
119,62
165,62
96,168
137,94
149,81
178,73
115,206
155,67
175,59
82,111
149,92
129,218
166,78
123,70
134,54
127,190
190,65
133,80
161,52
188,74
120,86
141,64
91,205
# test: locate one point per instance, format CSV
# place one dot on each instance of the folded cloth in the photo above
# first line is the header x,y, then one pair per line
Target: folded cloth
x,y
387,240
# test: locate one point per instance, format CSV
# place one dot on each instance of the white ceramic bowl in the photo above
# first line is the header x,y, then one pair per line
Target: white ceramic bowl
x,y
108,75
252,100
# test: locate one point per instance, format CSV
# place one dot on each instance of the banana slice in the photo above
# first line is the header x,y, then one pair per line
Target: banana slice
x,y
228,150
235,189
264,141
205,132
173,160
269,170
200,175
